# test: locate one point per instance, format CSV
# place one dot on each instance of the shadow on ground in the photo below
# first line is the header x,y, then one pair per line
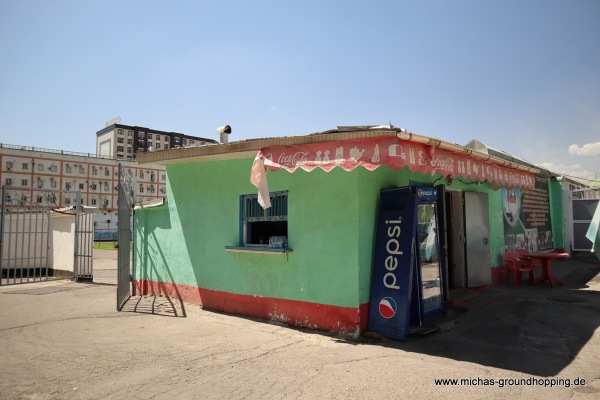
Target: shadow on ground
x,y
534,330
161,306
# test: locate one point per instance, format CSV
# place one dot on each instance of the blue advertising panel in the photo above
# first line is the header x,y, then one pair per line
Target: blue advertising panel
x,y
389,311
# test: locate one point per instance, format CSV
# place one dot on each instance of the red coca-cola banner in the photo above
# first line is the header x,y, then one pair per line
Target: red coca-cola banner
x,y
370,153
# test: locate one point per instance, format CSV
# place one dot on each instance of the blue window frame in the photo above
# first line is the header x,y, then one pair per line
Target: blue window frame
x,y
260,227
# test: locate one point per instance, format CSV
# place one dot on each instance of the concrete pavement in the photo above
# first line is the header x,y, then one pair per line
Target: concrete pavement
x,y
65,340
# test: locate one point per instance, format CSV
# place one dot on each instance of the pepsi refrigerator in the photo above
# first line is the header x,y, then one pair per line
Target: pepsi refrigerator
x,y
406,287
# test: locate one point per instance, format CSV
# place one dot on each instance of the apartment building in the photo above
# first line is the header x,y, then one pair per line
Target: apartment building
x,y
122,142
52,178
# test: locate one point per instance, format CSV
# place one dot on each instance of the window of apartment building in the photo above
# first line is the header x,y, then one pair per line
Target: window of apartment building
x,y
93,186
157,146
94,201
8,181
8,199
24,182
67,200
177,140
106,172
120,156
129,133
68,185
68,169
23,198
25,166
141,135
184,141
120,140
81,186
120,149
129,141
129,150
129,157
9,165
152,189
39,199
120,131
191,141
258,225
105,204
163,190
163,177
141,174
106,188
141,189
81,170
40,167
53,168
149,136
152,176
40,183
52,183
166,146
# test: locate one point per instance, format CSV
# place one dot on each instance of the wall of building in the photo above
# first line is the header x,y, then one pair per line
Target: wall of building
x,y
331,224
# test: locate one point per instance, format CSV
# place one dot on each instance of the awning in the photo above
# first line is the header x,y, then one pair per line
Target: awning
x,y
392,151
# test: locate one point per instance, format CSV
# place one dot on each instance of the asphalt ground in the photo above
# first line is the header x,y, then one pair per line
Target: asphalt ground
x,y
65,340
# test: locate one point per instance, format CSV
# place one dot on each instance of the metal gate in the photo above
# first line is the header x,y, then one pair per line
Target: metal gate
x,y
24,236
583,204
83,266
26,227
125,203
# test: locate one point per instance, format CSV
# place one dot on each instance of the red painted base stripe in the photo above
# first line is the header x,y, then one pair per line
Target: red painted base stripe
x,y
292,312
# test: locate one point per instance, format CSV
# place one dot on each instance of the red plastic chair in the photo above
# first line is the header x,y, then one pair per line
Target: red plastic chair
x,y
527,262
514,266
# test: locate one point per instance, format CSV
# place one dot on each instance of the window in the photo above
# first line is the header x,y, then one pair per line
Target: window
x,y
106,186
120,140
67,200
93,186
24,182
68,185
25,166
130,133
81,186
163,177
166,138
157,146
184,141
258,227
81,170
141,189
8,199
40,183
69,169
52,183
129,150
141,174
94,171
149,136
129,141
106,172
9,165
94,201
166,146
120,149
120,131
53,168
8,182
39,199
40,167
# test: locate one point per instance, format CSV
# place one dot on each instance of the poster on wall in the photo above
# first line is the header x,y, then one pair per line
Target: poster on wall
x,y
527,217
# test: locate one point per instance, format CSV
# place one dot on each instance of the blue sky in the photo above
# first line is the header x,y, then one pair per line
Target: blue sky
x,y
520,76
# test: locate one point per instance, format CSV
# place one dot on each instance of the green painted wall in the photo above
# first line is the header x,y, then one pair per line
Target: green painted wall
x,y
202,217
557,209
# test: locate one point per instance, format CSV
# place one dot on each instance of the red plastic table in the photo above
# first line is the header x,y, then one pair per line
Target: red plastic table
x,y
546,260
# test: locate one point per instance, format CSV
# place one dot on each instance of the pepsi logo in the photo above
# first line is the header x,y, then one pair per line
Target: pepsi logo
x,y
387,307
